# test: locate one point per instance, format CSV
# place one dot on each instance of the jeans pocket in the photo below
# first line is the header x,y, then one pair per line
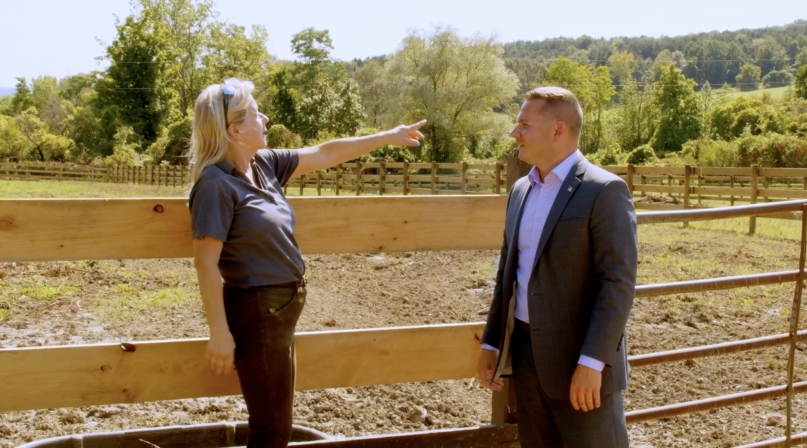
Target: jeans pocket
x,y
275,302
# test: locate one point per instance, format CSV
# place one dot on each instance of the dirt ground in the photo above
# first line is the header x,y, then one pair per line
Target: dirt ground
x,y
123,300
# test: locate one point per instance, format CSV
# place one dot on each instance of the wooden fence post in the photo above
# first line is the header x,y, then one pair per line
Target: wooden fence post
x,y
337,178
406,178
319,183
382,174
731,185
644,181
434,177
687,172
515,168
631,170
302,185
752,221
359,181
701,180
765,182
464,178
497,189
503,408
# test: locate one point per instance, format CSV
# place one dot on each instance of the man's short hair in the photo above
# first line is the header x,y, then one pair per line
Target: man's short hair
x,y
561,105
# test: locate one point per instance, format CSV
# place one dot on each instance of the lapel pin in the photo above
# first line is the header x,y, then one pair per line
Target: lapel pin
x,y
569,189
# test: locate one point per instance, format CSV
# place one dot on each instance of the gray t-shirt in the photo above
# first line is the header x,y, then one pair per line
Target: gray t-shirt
x,y
256,224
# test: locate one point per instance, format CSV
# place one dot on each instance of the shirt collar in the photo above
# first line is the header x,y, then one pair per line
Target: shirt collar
x,y
226,166
561,171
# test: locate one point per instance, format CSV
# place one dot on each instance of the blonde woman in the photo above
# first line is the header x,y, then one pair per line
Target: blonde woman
x,y
249,266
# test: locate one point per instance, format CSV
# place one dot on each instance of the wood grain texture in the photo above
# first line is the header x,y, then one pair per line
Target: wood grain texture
x,y
84,375
86,229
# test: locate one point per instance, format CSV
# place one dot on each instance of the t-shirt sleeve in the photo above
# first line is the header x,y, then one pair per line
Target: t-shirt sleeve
x,y
283,163
211,209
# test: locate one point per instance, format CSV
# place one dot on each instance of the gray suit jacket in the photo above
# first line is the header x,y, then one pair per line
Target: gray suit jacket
x,y
582,285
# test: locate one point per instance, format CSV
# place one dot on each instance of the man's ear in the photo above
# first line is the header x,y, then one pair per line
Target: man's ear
x,y
560,129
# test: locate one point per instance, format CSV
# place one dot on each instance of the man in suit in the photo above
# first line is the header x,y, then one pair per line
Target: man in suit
x,y
564,287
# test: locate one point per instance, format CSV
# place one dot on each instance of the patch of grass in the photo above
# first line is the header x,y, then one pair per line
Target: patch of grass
x,y
10,189
125,302
38,287
3,314
775,92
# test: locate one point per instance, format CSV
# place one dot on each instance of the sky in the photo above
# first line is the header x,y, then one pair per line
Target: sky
x,y
61,38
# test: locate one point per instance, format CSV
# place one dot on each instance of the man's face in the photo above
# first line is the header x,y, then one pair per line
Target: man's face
x,y
534,133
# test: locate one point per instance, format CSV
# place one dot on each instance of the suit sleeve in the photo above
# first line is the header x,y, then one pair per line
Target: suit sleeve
x,y
493,328
615,252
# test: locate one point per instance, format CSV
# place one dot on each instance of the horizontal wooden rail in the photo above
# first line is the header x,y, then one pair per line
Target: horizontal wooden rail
x,y
706,404
86,229
86,375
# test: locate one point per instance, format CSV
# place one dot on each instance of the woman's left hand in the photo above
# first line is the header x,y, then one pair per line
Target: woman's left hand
x,y
406,135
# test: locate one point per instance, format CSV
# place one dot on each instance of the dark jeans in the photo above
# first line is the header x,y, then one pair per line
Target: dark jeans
x,y
262,321
550,423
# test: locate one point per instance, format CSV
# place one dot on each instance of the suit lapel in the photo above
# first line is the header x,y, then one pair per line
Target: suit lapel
x,y
567,190
520,200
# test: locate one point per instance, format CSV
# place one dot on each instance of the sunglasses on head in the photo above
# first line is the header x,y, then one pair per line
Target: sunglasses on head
x,y
228,92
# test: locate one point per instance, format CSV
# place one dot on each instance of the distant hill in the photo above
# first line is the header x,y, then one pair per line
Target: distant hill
x,y
6,91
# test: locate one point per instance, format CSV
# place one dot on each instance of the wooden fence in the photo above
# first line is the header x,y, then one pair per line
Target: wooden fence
x,y
131,372
405,179
690,186
176,176
41,171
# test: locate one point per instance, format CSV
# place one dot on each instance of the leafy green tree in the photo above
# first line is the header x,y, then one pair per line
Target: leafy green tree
x,y
746,114
456,84
189,24
680,109
749,77
134,91
22,99
622,65
234,54
124,152
777,78
570,75
314,95
641,155
529,71
801,82
601,94
13,143
373,88
769,55
637,117
47,146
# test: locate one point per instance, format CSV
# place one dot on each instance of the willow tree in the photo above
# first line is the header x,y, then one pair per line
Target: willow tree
x,y
457,84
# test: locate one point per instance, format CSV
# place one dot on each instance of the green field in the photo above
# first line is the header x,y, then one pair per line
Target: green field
x,y
776,93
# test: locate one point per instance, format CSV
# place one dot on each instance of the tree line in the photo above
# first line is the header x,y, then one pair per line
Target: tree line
x,y
642,98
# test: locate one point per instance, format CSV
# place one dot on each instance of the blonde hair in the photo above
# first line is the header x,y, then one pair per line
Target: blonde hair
x,y
561,105
209,136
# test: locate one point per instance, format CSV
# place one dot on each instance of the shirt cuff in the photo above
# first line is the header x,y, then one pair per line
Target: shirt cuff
x,y
591,363
490,347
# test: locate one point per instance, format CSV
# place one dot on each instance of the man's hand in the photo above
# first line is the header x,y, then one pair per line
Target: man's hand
x,y
584,392
220,353
484,369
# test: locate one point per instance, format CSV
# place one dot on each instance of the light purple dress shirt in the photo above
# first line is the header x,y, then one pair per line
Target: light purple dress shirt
x,y
536,209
